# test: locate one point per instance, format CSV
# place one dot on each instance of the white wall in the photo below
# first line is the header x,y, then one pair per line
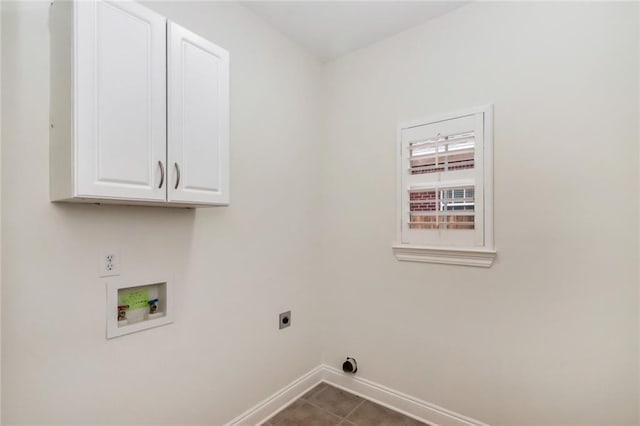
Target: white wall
x,y
235,268
0,213
549,334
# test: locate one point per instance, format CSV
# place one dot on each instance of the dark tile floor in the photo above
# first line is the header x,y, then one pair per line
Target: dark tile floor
x,y
325,405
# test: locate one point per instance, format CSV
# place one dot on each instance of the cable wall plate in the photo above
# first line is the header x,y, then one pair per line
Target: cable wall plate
x,y
140,304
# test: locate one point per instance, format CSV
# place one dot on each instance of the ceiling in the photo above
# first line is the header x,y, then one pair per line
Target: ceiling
x,y
328,29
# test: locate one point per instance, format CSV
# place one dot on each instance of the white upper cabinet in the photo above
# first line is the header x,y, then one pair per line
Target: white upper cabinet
x,y
120,102
198,126
139,108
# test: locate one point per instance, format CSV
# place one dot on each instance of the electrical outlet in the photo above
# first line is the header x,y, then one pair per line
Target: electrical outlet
x,y
109,265
284,320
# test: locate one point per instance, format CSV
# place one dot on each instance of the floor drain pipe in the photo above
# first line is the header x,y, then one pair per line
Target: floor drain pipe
x,y
350,365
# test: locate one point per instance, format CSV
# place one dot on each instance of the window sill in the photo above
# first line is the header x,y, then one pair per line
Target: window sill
x,y
450,256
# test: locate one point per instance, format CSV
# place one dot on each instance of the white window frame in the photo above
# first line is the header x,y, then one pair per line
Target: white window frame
x,y
481,254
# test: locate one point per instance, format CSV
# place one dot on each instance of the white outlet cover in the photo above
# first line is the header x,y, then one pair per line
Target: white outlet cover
x,y
104,270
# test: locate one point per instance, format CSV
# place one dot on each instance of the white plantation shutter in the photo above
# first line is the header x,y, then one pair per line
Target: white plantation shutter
x,y
442,183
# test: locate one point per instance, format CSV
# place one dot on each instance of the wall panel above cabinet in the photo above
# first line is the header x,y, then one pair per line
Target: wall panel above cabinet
x,y
110,109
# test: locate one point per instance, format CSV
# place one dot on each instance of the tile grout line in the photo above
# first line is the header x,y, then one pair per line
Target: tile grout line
x,y
326,410
354,409
313,394
308,400
342,420
312,404
302,399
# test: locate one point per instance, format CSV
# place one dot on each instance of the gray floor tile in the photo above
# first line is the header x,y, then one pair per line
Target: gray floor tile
x,y
314,390
335,401
325,405
371,414
273,421
308,415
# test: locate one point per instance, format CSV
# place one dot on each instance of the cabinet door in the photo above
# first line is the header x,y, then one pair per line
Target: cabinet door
x,y
120,93
198,119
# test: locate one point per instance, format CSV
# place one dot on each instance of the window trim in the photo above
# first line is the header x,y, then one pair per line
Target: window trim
x,y
482,256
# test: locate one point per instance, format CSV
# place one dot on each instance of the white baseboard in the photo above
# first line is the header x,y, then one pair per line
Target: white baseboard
x,y
398,401
265,409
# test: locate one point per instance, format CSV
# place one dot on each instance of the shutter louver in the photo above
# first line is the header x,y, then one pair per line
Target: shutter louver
x,y
451,208
442,154
442,181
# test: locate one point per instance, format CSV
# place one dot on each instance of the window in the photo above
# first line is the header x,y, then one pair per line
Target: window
x,y
445,176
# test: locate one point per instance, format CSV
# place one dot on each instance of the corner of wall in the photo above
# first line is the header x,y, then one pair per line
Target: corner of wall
x,y
638,180
1,17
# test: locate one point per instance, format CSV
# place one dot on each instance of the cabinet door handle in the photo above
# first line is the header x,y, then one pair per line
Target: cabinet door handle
x,y
161,174
177,176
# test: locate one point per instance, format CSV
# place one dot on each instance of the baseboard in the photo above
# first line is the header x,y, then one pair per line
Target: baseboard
x,y
260,412
398,401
